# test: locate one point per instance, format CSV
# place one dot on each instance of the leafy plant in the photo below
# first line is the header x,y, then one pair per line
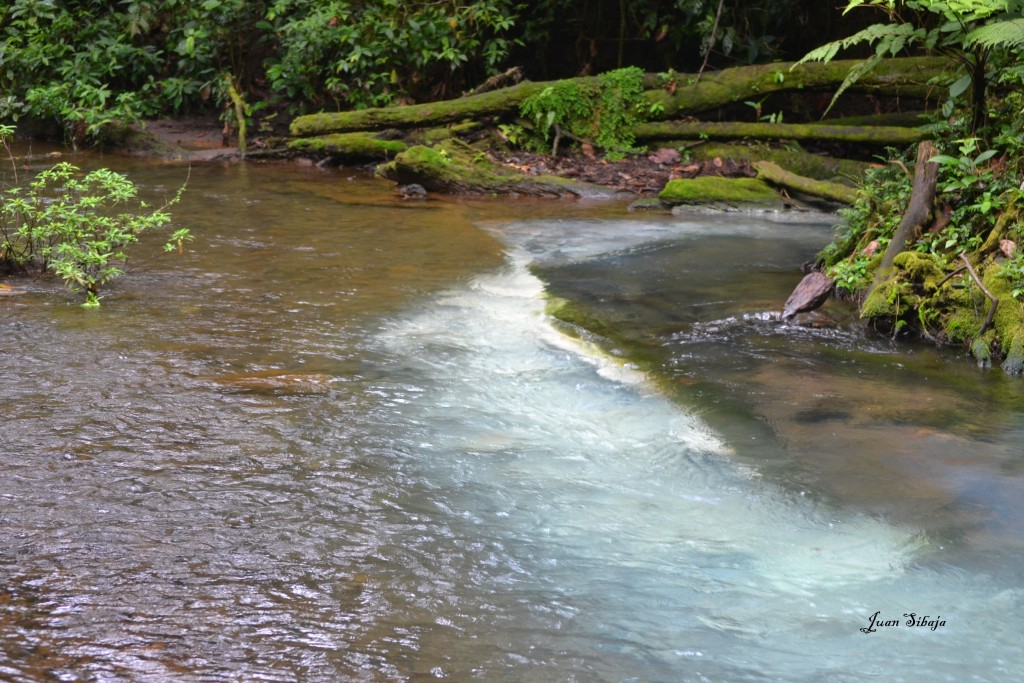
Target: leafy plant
x,y
369,54
965,171
1013,271
968,30
79,226
603,111
867,227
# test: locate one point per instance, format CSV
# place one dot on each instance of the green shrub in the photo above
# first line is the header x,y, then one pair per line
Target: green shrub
x,y
79,226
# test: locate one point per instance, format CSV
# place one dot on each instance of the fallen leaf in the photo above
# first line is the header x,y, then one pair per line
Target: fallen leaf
x,y
1007,247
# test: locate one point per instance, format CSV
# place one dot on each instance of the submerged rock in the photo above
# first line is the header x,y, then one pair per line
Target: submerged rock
x,y
8,290
275,382
411,191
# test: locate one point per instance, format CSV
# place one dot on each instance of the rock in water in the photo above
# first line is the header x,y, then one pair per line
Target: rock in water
x,y
411,191
812,292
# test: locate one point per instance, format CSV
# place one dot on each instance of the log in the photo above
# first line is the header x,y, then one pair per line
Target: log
x,y
905,76
418,115
790,158
882,136
773,173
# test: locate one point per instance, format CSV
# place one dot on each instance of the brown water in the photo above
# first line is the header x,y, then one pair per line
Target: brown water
x,y
339,440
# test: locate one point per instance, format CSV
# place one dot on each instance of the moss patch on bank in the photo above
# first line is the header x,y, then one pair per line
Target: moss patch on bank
x,y
730,191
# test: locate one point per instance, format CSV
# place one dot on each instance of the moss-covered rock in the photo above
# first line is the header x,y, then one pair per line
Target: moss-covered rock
x,y
647,204
884,301
1008,321
730,191
962,326
457,168
981,348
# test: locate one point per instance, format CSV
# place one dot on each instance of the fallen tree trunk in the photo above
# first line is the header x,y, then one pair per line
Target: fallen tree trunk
x,y
797,161
775,174
908,76
905,76
728,130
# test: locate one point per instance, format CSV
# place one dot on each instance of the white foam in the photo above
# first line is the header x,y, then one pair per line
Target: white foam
x,y
503,380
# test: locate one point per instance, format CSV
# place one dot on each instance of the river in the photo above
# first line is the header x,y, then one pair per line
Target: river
x,y
341,438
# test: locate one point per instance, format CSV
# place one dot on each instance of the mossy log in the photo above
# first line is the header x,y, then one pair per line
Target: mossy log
x,y
834,192
418,115
453,167
803,163
907,119
905,76
881,136
369,146
349,146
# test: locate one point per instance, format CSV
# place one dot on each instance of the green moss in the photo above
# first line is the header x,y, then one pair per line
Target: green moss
x,y
886,301
432,136
962,325
714,189
349,146
1013,364
981,348
1008,321
792,159
918,268
456,167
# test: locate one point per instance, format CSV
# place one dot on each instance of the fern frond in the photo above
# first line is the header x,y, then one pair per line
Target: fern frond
x,y
852,77
1008,34
888,35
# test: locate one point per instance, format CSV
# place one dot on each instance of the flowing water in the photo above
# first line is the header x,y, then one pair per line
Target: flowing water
x,y
341,439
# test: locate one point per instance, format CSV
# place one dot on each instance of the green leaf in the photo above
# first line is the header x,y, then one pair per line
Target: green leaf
x,y
985,156
960,85
945,160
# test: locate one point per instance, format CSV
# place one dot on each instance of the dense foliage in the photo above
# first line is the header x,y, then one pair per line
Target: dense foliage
x,y
86,64
979,34
977,220
601,112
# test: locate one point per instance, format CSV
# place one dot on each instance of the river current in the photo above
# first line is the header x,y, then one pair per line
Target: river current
x,y
342,438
